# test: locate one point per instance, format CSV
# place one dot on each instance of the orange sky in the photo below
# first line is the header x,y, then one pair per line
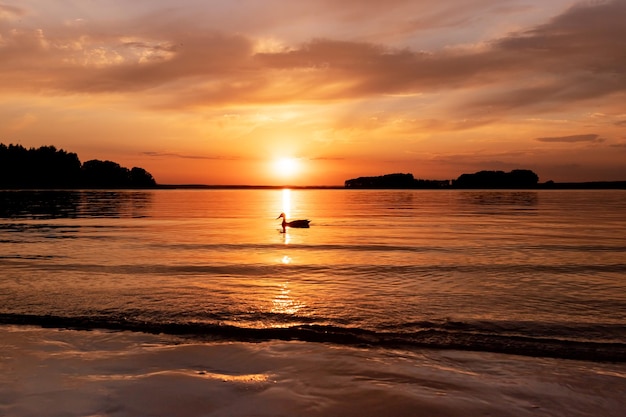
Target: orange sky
x,y
213,92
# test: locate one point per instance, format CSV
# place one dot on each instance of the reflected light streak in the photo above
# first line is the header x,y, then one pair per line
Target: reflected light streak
x,y
287,202
283,303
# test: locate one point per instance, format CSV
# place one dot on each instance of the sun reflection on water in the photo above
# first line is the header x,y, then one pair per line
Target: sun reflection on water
x,y
283,303
287,202
286,237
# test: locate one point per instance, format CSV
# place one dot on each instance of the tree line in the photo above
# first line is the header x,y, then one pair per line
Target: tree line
x,y
47,167
518,178
399,181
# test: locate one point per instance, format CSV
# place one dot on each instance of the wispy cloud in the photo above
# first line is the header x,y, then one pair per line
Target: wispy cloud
x,y
8,12
572,138
328,158
183,156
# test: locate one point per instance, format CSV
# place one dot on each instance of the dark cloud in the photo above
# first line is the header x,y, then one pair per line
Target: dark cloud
x,y
572,139
576,56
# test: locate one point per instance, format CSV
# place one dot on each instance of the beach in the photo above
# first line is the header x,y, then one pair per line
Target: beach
x,y
52,372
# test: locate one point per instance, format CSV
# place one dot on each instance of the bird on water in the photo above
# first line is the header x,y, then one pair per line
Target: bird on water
x,y
299,224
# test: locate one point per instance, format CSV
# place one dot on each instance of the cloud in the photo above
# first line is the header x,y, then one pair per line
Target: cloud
x,y
328,158
183,156
574,57
22,122
453,125
572,139
8,12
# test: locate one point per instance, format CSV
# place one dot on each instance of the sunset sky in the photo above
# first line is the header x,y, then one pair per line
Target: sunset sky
x,y
216,92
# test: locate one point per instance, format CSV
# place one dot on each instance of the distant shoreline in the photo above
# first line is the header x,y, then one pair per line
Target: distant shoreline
x,y
600,185
594,185
246,187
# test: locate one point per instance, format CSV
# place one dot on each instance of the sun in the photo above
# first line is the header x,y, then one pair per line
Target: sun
x,y
286,167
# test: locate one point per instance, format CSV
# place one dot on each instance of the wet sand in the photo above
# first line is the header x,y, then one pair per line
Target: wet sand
x,y
49,372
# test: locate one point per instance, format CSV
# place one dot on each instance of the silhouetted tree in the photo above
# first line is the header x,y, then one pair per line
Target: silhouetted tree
x,y
519,178
46,167
104,174
55,169
383,181
391,181
140,178
523,178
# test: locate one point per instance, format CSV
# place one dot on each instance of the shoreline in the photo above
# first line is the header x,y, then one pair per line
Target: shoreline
x,y
51,372
436,338
608,185
591,185
618,186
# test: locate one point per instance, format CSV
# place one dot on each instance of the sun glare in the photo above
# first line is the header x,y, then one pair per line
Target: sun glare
x,y
286,167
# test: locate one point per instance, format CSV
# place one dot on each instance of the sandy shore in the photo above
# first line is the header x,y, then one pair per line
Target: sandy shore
x,y
48,372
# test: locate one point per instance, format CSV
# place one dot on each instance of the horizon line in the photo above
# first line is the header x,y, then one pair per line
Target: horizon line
x,y
615,184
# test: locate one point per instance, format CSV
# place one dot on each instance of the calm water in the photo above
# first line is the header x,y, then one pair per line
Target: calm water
x,y
537,273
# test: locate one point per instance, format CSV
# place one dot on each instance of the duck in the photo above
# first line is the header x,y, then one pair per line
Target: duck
x,y
299,224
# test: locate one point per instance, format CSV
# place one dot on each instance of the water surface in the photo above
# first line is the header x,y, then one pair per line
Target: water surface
x,y
531,272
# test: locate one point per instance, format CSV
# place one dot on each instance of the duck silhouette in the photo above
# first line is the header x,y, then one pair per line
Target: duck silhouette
x,y
299,224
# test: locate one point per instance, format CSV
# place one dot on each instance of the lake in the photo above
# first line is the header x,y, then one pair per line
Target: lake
x,y
400,267
536,274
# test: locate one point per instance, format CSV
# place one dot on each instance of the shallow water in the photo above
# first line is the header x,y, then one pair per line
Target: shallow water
x,y
51,373
540,273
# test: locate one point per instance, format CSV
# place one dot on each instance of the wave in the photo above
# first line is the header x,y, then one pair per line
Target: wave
x,y
261,269
429,335
373,247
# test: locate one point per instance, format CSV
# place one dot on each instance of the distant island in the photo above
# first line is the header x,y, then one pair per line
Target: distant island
x,y
519,178
516,179
395,181
49,168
